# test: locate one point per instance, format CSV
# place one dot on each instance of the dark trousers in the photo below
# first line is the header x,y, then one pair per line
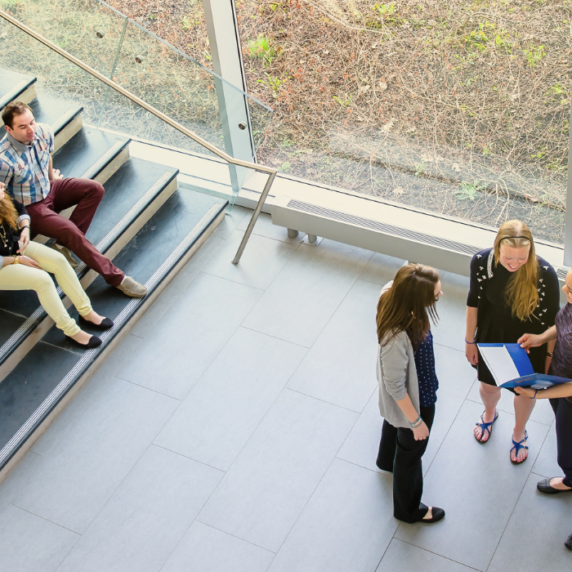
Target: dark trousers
x,y
563,411
46,220
401,454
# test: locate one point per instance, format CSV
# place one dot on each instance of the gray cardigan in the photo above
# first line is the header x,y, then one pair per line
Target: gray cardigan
x,y
397,377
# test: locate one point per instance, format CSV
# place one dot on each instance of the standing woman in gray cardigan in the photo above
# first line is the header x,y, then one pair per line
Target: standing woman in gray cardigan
x,y
407,385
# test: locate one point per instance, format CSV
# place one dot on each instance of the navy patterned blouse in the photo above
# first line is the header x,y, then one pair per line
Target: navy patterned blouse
x,y
425,364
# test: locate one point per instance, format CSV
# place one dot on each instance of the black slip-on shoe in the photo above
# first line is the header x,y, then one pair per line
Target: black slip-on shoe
x,y
93,342
437,515
106,324
544,487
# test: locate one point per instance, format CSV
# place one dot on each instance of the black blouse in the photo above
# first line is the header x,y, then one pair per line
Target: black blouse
x,y
482,270
10,235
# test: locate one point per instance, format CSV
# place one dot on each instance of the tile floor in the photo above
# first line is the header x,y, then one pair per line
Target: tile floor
x,y
236,429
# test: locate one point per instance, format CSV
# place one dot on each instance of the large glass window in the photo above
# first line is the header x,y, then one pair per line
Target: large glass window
x,y
460,107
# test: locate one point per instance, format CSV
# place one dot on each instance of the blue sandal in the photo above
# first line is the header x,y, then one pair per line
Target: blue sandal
x,y
517,447
486,427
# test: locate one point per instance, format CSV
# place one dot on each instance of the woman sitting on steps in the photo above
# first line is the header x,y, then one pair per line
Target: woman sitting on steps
x,y
24,265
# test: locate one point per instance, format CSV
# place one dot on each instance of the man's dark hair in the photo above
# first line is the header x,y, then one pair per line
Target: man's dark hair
x,y
13,109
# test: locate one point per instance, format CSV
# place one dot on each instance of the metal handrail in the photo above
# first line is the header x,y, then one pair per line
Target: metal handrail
x,y
238,162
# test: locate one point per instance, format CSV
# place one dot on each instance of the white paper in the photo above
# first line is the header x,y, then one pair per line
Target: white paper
x,y
500,364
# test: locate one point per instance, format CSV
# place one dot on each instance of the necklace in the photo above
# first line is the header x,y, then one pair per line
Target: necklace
x,y
3,236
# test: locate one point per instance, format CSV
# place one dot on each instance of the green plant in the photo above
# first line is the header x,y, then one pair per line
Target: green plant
x,y
285,167
186,23
469,191
151,16
262,48
273,83
344,102
385,10
533,55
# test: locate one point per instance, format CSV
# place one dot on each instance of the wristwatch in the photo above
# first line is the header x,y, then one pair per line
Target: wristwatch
x,y
16,260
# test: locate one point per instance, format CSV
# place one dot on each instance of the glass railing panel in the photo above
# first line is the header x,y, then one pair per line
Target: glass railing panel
x,y
60,79
454,107
89,30
183,89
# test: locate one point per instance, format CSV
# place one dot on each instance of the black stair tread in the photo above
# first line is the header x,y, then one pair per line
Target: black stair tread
x,y
13,84
131,181
9,323
56,113
122,191
34,378
148,249
21,394
80,156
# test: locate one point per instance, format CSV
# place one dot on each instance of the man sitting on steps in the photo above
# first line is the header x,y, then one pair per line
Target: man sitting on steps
x,y
26,170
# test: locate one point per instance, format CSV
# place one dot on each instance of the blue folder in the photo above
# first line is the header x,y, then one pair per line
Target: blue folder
x,y
527,376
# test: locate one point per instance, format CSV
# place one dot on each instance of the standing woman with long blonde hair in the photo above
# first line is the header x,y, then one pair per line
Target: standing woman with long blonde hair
x,y
407,385
512,292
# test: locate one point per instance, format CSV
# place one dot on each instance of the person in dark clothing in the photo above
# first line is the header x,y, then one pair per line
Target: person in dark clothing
x,y
512,291
560,395
407,385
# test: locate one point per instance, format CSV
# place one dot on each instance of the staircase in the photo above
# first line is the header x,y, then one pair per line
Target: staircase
x,y
146,224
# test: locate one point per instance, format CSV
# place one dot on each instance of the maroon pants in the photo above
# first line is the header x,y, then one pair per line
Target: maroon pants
x,y
46,220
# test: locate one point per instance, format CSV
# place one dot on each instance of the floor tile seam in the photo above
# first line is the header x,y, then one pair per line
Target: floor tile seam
x,y
439,555
78,534
310,497
448,430
120,483
249,328
223,471
234,536
356,464
289,241
448,347
148,389
282,270
335,311
370,282
508,520
204,272
178,296
245,444
391,539
357,413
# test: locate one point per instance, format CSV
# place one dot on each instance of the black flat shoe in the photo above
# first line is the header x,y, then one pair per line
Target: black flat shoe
x,y
94,342
438,514
544,487
568,543
106,324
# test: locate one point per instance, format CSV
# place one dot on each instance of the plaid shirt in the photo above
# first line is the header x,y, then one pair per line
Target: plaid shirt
x,y
24,168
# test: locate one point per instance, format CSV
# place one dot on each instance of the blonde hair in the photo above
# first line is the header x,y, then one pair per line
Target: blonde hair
x,y
8,212
521,292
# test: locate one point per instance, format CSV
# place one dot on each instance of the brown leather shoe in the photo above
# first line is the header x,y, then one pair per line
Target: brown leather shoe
x,y
132,288
66,253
